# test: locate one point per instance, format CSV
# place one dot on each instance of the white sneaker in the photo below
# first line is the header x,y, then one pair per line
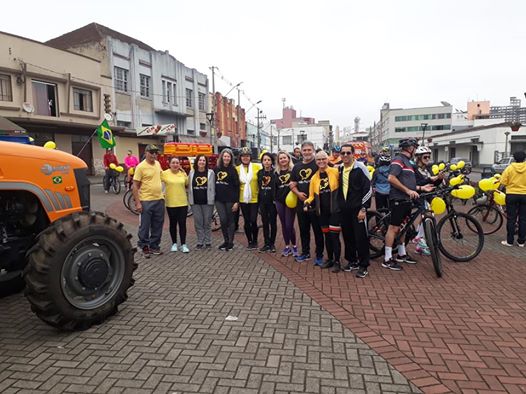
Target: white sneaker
x,y
105,192
520,245
174,248
505,243
184,248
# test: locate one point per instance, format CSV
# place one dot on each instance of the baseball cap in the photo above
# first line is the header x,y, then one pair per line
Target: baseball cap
x,y
151,148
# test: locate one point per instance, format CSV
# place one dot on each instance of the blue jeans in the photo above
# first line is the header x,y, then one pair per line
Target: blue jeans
x,y
151,224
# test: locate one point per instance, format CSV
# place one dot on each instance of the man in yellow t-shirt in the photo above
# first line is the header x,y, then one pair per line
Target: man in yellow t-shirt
x,y
149,202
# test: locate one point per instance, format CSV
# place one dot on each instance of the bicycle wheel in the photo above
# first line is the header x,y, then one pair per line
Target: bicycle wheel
x,y
216,224
125,199
131,204
456,240
489,218
115,185
432,243
376,228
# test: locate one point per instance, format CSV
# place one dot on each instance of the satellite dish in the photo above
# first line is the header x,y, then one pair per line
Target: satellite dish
x,y
108,117
28,107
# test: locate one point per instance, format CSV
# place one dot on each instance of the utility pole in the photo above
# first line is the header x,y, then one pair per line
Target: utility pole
x,y
259,116
213,141
271,139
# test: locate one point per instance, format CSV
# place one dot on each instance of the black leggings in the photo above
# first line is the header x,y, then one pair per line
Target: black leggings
x,y
269,218
250,217
382,201
177,216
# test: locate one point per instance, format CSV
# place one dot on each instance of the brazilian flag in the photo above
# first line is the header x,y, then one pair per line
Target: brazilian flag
x,y
105,135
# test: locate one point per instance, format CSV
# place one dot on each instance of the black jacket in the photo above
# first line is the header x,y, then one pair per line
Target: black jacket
x,y
360,192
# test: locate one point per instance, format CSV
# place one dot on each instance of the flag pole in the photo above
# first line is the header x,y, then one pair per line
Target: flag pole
x,y
87,142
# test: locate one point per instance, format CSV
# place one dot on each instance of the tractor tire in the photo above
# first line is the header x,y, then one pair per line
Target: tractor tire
x,y
79,270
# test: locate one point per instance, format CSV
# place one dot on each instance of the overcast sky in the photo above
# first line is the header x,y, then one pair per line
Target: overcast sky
x,y
330,59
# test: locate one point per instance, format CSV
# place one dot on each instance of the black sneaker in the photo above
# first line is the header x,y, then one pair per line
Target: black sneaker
x,y
264,249
405,259
208,246
335,268
350,267
199,246
253,246
327,264
223,246
272,249
392,265
156,252
229,247
362,273
146,252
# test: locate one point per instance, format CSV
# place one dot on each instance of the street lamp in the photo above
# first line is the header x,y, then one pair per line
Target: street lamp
x,y
210,118
233,87
253,105
424,127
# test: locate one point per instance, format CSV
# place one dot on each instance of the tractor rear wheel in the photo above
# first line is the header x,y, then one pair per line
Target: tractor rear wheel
x,y
79,270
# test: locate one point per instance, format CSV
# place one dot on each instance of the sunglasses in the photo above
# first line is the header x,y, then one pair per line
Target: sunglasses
x,y
154,152
426,157
346,153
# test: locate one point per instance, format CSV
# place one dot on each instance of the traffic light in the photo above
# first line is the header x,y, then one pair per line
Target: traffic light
x,y
107,103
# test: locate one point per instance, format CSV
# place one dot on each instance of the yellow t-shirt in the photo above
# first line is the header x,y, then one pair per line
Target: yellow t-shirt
x,y
175,191
253,183
150,177
346,172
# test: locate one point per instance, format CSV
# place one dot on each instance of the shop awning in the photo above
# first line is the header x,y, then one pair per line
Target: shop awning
x,y
8,127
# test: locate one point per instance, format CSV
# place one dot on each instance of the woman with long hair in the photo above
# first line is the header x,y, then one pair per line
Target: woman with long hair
x,y
227,196
266,200
176,202
286,215
201,196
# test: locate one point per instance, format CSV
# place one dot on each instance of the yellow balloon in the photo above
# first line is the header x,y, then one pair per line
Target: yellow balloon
x,y
485,184
453,167
131,171
441,166
438,205
113,166
291,200
50,145
464,192
497,176
461,164
119,168
434,169
456,180
499,197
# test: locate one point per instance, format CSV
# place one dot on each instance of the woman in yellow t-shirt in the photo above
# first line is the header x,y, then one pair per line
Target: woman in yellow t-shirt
x,y
176,181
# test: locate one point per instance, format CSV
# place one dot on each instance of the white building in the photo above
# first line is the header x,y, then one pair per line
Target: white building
x,y
483,144
398,123
290,138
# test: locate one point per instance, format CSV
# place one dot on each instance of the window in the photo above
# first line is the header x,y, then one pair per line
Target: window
x,y
82,100
190,132
5,88
121,79
189,93
169,92
45,98
287,140
202,101
202,126
145,85
122,123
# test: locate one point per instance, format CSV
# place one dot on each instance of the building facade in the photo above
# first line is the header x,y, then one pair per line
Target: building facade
x,y
292,137
398,123
289,118
229,121
148,87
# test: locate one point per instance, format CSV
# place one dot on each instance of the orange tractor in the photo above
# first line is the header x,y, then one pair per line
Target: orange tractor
x,y
76,265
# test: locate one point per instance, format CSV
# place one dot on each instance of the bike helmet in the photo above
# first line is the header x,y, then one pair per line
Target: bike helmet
x,y
245,151
407,142
336,148
384,159
421,150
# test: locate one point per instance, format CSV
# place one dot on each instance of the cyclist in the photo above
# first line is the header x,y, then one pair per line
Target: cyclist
x,y
403,189
380,183
109,158
335,159
424,177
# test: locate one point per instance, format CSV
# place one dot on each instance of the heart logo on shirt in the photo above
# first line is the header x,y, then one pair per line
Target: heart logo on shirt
x,y
324,183
284,178
221,175
201,180
305,173
266,180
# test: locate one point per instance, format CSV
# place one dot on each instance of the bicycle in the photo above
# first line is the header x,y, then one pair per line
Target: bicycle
x,y
490,214
114,183
380,224
129,201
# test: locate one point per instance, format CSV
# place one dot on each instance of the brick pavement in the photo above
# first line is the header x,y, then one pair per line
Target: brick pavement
x,y
171,336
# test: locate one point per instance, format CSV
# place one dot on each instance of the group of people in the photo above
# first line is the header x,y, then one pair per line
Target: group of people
x,y
130,161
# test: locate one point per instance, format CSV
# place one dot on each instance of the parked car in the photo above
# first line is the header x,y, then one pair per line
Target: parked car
x,y
502,164
467,162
